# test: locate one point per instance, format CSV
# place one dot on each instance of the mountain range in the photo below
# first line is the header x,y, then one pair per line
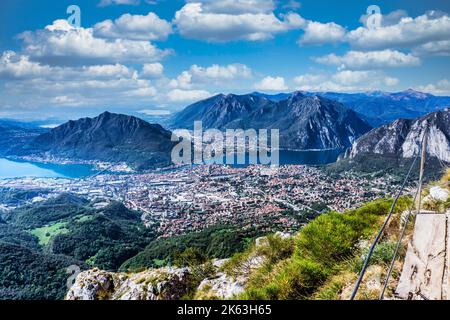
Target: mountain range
x,y
379,107
305,122
108,137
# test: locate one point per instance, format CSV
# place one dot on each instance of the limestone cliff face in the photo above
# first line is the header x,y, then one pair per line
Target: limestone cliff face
x,y
403,137
160,284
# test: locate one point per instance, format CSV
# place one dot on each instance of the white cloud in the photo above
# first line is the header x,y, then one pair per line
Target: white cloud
x,y
110,71
65,101
134,27
178,95
391,81
436,48
17,66
152,70
236,6
344,81
348,77
33,85
408,32
215,73
183,81
147,91
194,22
271,84
370,59
319,33
396,31
60,43
442,87
104,3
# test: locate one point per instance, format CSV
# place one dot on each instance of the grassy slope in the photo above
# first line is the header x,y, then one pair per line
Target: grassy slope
x,y
326,247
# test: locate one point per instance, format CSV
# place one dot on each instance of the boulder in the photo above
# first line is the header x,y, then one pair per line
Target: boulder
x,y
152,284
440,194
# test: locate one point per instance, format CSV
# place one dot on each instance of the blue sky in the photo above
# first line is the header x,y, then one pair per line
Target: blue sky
x,y
157,56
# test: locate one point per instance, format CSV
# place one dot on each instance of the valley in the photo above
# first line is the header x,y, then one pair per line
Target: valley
x,y
134,219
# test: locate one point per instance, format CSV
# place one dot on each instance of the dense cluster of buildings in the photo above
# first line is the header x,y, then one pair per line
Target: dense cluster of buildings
x,y
193,198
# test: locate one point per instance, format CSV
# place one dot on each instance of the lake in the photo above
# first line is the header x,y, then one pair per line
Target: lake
x,y
309,157
19,169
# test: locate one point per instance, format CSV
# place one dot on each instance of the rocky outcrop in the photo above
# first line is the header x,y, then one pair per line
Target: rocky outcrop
x,y
424,273
221,285
439,194
153,284
404,137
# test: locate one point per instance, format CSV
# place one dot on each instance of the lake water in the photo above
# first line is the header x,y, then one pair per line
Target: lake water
x,y
19,169
319,157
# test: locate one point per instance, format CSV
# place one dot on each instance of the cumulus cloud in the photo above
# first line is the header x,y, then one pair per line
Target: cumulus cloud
x,y
236,6
370,59
60,43
152,70
14,66
408,32
178,95
109,71
344,81
218,72
271,84
396,31
213,74
319,33
134,27
193,21
442,87
436,48
32,84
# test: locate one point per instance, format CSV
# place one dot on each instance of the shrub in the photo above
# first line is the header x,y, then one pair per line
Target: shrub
x,y
382,254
